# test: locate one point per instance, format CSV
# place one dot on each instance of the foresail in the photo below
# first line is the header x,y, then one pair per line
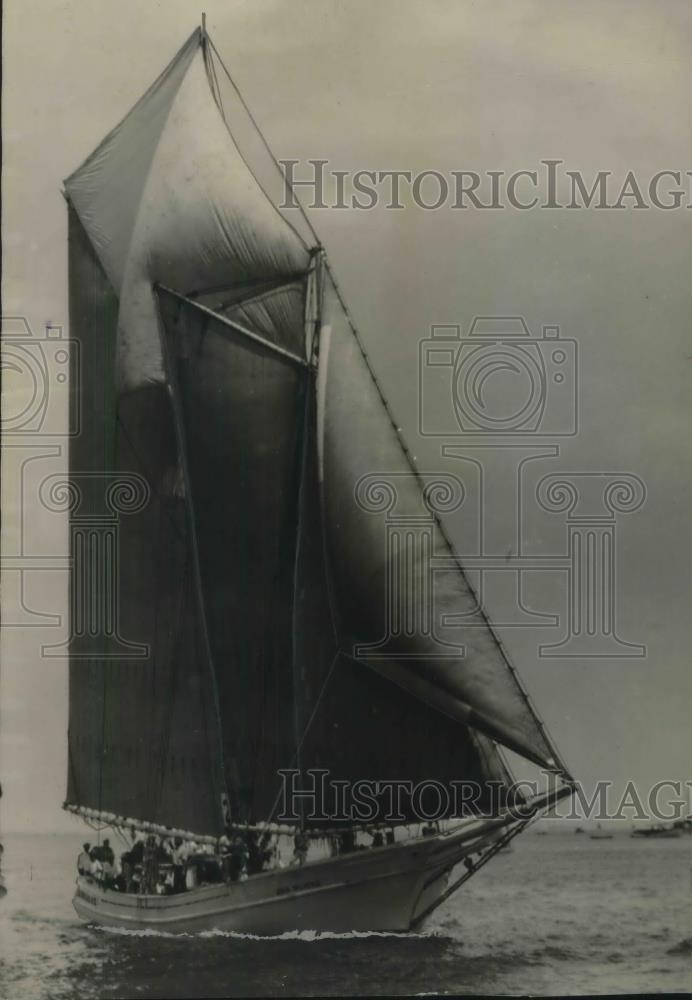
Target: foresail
x,y
359,444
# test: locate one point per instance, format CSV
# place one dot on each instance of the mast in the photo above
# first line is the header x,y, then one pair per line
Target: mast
x,y
313,320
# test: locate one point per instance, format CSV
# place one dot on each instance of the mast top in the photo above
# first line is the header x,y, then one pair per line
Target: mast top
x,y
204,25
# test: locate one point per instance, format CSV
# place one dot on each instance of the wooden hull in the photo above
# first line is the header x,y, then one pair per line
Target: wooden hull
x,y
381,889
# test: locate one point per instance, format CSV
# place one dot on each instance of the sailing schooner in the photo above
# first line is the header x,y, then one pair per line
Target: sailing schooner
x,y
223,386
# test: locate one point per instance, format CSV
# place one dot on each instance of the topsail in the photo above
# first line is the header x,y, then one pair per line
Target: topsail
x,y
218,363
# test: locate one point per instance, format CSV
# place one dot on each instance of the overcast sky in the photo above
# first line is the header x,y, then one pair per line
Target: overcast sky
x,y
449,85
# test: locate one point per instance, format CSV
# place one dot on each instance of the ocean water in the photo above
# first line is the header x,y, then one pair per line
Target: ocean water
x,y
559,914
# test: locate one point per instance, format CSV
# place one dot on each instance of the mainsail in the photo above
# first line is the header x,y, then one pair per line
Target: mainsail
x,y
219,364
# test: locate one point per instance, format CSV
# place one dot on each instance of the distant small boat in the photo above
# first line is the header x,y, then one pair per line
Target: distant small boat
x,y
658,831
600,834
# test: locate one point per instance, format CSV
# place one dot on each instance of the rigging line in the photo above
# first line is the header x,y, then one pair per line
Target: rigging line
x,y
242,156
310,721
261,741
172,383
416,473
486,748
249,291
296,564
266,146
206,730
156,656
211,72
323,371
241,312
289,355
160,496
312,319
104,669
260,298
165,741
122,836
278,282
500,750
109,458
486,856
72,767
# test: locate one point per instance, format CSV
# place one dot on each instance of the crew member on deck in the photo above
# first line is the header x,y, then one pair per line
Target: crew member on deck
x,y
347,842
300,847
178,860
150,873
96,866
108,874
237,862
84,860
107,854
137,851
